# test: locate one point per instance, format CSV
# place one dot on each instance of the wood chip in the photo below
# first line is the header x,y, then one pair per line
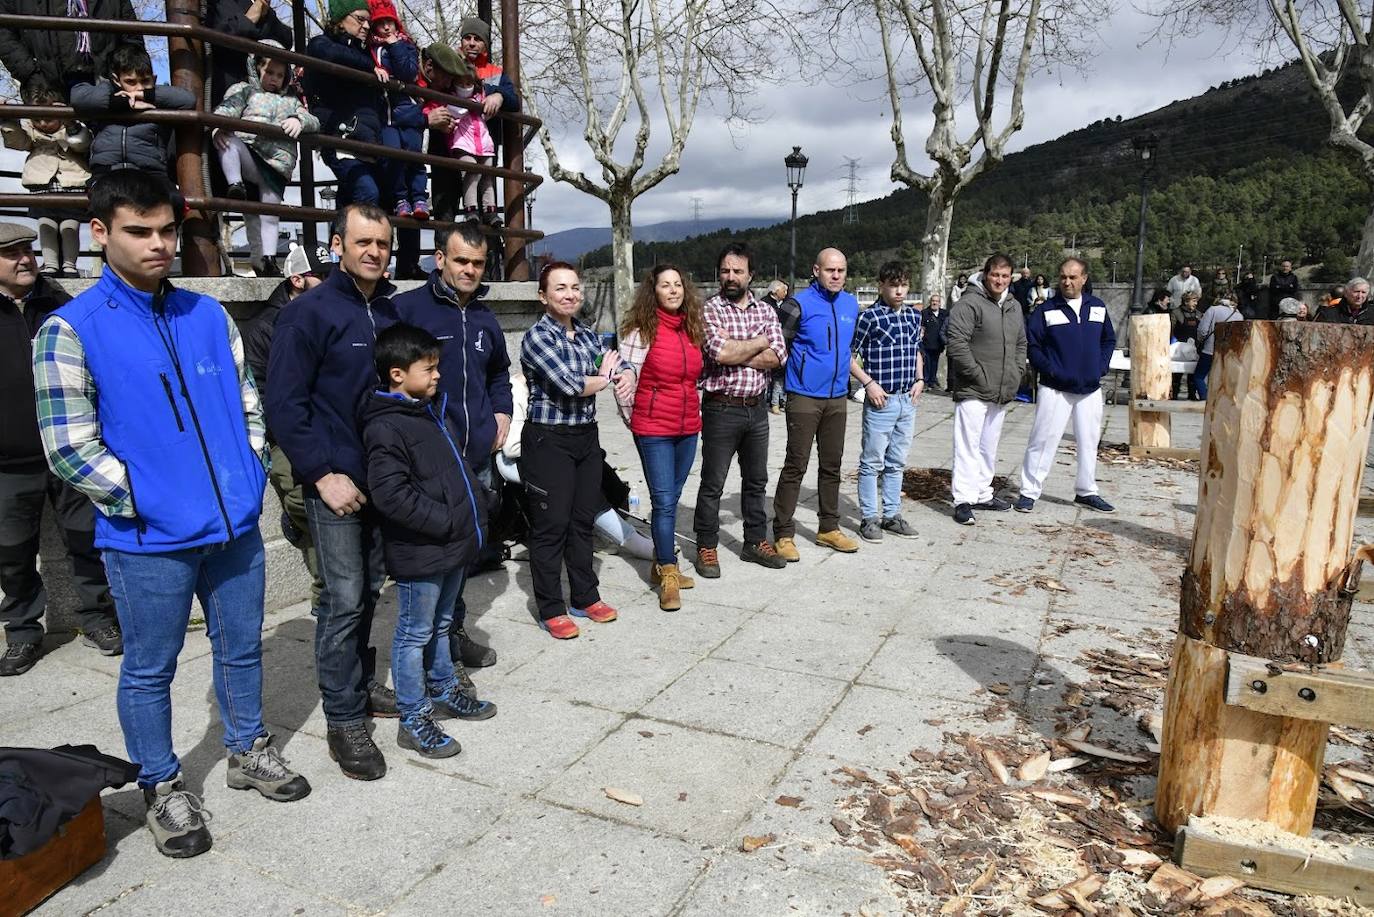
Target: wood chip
x,y
1153,724
1210,890
1173,888
1139,859
1000,688
790,801
1049,584
997,766
1059,797
1097,751
842,827
1349,773
1344,787
1079,732
625,796
754,842
1065,764
1034,768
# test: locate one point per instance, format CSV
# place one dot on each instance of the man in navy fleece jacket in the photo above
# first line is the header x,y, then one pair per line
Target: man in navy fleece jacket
x,y
1069,342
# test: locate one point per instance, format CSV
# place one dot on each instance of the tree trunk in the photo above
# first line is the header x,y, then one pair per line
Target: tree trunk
x,y
1150,378
622,251
1283,450
1364,259
935,240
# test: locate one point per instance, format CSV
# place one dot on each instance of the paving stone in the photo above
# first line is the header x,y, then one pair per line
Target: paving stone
x,y
216,883
951,666
577,669
724,696
876,727
802,644
695,785
758,883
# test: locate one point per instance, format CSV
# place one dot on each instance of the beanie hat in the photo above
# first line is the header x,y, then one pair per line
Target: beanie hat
x,y
474,26
339,10
383,9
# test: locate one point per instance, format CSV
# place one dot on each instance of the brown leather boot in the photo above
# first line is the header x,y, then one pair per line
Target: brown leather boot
x,y
683,580
670,581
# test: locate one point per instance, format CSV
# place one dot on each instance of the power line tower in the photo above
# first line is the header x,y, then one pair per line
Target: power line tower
x,y
696,209
851,213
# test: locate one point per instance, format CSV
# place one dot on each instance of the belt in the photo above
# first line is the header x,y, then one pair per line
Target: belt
x,y
734,400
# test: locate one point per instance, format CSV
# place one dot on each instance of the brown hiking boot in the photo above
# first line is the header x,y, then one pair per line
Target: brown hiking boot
x,y
787,547
669,598
683,581
837,540
708,563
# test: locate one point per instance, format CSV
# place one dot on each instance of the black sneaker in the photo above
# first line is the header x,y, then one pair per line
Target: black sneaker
x,y
19,658
381,701
262,768
108,639
871,529
1024,504
462,704
472,654
995,505
1093,501
238,191
963,514
899,527
357,755
425,737
290,531
762,554
177,819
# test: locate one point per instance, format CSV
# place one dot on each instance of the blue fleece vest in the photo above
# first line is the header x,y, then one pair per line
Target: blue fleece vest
x,y
171,410
818,359
1070,352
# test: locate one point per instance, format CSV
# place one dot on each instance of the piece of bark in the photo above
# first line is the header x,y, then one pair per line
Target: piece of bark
x,y
1097,751
625,796
754,842
842,827
1034,768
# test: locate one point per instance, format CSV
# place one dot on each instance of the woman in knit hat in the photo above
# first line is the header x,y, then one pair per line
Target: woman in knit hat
x,y
347,108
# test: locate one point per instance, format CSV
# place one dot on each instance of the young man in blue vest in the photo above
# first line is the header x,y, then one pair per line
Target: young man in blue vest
x,y
1069,341
818,326
146,405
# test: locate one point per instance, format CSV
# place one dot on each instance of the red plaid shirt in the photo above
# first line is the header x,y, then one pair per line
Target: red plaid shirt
x,y
726,321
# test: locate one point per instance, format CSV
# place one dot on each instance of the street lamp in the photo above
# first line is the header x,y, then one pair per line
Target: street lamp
x,y
796,171
1146,148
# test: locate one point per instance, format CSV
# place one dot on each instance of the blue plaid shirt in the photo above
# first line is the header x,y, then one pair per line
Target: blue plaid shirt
x,y
888,342
556,369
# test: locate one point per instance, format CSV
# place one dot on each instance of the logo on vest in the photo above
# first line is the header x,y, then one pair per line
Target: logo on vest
x,y
207,367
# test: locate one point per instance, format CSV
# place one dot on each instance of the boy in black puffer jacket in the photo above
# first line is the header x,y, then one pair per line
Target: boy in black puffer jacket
x,y
433,515
130,87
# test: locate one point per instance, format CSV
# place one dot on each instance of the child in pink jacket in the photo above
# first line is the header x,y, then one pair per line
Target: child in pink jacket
x,y
471,141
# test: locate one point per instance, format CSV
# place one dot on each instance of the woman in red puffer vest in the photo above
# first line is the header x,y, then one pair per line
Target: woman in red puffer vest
x,y
661,342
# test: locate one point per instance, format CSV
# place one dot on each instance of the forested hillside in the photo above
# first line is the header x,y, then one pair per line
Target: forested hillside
x,y
1243,172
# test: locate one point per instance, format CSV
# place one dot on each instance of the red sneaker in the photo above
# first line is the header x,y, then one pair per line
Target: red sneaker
x,y
598,611
561,627
420,209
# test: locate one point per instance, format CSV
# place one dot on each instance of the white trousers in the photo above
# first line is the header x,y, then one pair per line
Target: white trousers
x,y
977,431
1053,409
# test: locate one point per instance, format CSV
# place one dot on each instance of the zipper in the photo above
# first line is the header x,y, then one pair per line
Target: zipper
x,y
467,421
834,327
682,349
653,394
171,399
476,515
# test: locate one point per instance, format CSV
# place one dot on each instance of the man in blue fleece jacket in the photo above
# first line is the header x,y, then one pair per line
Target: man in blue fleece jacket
x,y
1069,343
321,366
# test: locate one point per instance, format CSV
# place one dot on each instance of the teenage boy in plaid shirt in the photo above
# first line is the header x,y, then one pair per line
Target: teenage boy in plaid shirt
x,y
743,346
888,362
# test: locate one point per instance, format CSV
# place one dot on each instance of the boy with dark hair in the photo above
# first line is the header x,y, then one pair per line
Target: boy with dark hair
x,y
887,360
129,87
433,516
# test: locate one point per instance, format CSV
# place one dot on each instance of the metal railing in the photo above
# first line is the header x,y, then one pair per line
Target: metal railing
x,y
192,127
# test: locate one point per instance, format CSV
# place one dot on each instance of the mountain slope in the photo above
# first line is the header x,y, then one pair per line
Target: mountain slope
x,y
571,244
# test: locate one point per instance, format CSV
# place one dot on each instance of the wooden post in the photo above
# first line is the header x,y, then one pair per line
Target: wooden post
x,y
199,242
1283,450
1150,378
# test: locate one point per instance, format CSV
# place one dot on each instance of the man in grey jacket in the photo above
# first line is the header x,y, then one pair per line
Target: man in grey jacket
x,y
986,348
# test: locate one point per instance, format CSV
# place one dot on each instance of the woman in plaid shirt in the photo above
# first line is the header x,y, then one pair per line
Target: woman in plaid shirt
x,y
560,451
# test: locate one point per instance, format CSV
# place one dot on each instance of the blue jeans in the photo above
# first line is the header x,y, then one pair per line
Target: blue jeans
x,y
483,472
152,595
405,181
1200,373
667,462
349,552
421,664
887,433
357,180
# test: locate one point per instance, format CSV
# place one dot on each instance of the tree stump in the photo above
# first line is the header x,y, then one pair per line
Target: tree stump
x,y
1150,378
1283,449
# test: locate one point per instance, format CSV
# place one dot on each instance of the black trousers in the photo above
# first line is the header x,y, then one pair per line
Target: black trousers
x,y
22,495
561,469
729,430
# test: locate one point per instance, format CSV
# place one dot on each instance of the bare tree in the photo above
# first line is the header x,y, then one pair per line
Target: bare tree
x,y
636,67
1333,42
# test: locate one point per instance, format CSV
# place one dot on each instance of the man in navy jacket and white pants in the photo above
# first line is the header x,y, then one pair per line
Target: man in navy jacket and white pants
x,y
1069,343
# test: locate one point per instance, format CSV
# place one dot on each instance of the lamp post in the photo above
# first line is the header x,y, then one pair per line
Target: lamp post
x,y
529,217
1145,148
796,171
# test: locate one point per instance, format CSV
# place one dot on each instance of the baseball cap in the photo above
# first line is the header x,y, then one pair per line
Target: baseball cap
x,y
303,260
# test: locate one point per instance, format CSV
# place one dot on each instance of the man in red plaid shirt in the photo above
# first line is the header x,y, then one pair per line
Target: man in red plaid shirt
x,y
743,346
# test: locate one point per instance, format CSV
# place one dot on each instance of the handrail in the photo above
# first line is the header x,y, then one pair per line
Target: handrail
x,y
307,138
203,33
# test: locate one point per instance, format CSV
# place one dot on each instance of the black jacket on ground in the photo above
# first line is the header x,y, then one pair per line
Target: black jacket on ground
x,y
43,789
433,509
227,66
34,56
20,446
257,334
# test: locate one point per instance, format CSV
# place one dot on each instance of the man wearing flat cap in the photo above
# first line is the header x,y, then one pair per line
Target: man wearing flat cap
x,y
26,299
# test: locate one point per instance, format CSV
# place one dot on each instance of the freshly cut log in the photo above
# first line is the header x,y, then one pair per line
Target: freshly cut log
x,y
1150,379
1270,571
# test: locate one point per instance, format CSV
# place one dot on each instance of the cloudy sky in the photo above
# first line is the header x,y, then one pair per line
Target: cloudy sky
x,y
743,175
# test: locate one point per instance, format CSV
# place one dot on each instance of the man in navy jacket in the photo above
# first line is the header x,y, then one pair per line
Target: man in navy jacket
x,y
1069,343
321,368
474,370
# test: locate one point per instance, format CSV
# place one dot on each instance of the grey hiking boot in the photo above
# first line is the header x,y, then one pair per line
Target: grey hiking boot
x,y
177,819
899,527
262,768
109,640
871,530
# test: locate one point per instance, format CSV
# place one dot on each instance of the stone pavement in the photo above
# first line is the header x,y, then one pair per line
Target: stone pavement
x,y
762,685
